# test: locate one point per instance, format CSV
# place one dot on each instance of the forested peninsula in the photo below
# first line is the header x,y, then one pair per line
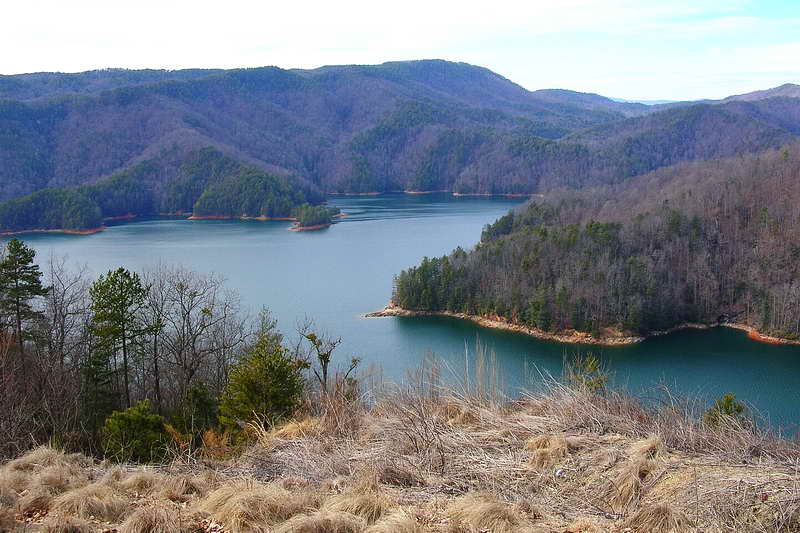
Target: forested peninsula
x,y
203,184
696,244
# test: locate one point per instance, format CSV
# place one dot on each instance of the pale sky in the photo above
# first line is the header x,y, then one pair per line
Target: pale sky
x,y
634,49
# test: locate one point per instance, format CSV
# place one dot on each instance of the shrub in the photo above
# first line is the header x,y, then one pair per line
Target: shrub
x,y
725,408
266,384
136,434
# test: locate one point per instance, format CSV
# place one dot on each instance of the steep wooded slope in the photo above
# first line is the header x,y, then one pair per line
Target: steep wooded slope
x,y
696,242
424,125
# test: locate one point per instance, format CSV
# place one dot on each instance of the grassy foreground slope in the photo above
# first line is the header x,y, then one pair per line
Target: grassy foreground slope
x,y
694,243
423,460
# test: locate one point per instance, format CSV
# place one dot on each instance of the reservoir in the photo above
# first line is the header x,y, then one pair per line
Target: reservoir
x,y
334,276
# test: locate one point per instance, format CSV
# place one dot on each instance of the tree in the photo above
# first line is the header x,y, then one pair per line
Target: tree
x,y
323,351
726,408
136,434
117,299
20,282
266,383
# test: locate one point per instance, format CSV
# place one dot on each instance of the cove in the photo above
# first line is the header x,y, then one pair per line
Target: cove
x,y
336,275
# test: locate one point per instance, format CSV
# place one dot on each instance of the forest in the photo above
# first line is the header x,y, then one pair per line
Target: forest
x,y
699,242
204,183
415,125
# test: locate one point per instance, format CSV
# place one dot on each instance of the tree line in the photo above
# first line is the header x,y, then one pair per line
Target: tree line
x,y
96,364
205,183
699,242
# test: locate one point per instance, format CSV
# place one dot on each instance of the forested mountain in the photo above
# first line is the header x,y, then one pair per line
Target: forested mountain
x,y
418,125
203,183
694,242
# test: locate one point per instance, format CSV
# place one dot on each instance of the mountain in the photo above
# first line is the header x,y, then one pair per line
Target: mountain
x,y
697,242
787,90
415,125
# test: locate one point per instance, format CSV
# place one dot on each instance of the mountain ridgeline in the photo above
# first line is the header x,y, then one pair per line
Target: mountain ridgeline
x,y
415,125
698,242
203,183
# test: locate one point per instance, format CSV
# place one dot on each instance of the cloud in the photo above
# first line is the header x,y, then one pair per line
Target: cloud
x,y
571,43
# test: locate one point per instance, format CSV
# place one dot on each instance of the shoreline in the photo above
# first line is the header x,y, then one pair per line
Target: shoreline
x,y
452,193
311,228
89,231
614,338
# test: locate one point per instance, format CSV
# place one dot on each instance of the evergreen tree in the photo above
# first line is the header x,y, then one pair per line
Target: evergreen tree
x,y
117,301
20,283
266,383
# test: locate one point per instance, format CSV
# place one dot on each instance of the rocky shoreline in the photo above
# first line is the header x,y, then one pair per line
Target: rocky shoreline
x,y
88,231
611,337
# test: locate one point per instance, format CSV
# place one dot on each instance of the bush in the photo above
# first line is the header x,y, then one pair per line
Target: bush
x,y
136,434
725,408
266,384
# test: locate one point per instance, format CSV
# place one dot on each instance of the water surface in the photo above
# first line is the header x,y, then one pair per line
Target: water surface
x,y
336,275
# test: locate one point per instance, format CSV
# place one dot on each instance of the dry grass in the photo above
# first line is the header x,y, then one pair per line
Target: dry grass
x,y
183,488
97,500
35,500
245,506
657,519
625,488
142,483
61,524
323,522
155,517
397,522
484,512
14,480
547,450
426,460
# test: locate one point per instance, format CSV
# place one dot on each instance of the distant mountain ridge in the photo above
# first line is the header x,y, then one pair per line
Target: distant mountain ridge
x,y
412,125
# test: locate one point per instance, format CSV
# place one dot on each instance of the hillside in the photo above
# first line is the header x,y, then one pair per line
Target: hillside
x,y
694,243
202,183
418,125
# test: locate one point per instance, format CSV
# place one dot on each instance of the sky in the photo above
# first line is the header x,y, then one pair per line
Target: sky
x,y
632,49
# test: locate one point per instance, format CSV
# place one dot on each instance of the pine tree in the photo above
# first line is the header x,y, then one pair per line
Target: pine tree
x,y
20,283
117,302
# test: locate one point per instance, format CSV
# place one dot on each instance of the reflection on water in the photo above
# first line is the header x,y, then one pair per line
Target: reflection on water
x,y
336,275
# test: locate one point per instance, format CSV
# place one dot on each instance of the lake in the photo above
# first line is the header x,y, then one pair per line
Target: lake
x,y
336,275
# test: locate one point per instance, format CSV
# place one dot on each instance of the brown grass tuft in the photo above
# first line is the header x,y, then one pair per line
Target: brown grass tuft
x,y
59,478
547,450
62,524
392,474
364,499
40,457
183,488
323,522
113,476
657,519
625,488
248,506
397,522
369,506
35,499
98,500
8,498
649,448
7,521
484,512
157,517
142,482
15,480
297,429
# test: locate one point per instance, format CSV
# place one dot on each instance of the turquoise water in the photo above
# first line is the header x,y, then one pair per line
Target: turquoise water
x,y
336,275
